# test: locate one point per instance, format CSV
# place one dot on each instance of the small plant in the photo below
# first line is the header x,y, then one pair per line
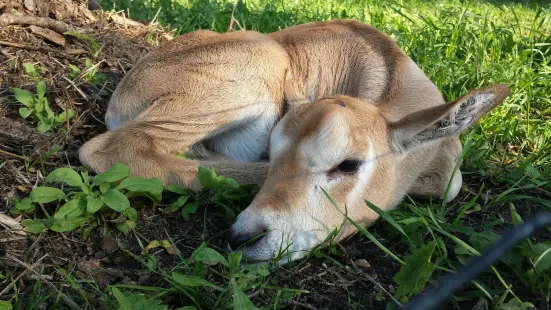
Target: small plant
x,y
32,71
81,200
90,74
190,281
39,108
216,190
94,46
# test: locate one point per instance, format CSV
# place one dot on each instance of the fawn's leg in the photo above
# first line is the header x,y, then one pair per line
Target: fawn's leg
x,y
150,143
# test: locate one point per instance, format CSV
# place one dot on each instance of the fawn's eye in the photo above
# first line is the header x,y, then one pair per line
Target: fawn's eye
x,y
348,166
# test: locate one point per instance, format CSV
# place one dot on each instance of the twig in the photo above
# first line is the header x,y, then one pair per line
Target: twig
x,y
19,174
233,20
10,19
10,239
296,303
65,298
76,87
6,54
12,283
77,51
377,284
125,21
13,155
44,209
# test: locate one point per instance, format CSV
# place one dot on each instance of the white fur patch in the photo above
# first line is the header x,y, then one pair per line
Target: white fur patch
x,y
278,140
247,141
455,186
328,145
364,176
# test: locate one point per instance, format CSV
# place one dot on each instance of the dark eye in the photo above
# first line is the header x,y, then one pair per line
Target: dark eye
x,y
348,166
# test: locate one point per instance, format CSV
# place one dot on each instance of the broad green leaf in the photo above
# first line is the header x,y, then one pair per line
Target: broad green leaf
x,y
115,200
65,175
186,308
124,303
24,96
43,127
114,174
190,208
240,300
24,205
207,177
234,258
63,225
178,190
417,271
129,301
258,268
208,256
63,116
175,206
5,305
50,117
24,112
126,226
39,116
44,194
60,118
231,182
39,107
514,304
180,202
131,213
152,186
29,68
190,280
484,239
33,226
542,257
104,187
41,89
72,207
93,204
70,113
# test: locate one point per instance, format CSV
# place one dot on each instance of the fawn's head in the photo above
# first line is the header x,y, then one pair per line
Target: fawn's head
x,y
347,148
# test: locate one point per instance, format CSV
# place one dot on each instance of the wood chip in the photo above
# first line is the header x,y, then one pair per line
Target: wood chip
x,y
48,34
125,21
12,224
29,5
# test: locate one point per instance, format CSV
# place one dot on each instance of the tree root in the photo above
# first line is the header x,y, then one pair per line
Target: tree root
x,y
10,19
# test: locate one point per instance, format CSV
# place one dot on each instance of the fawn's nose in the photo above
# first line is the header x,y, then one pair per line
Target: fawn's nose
x,y
239,239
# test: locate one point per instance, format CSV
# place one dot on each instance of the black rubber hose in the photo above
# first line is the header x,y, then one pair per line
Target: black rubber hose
x,y
450,283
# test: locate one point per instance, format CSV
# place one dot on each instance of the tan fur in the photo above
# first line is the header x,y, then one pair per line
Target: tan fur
x,y
218,97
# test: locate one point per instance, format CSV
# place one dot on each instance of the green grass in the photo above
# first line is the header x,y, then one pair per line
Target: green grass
x,y
460,45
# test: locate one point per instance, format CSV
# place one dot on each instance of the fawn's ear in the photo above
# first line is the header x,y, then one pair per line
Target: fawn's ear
x,y
445,120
